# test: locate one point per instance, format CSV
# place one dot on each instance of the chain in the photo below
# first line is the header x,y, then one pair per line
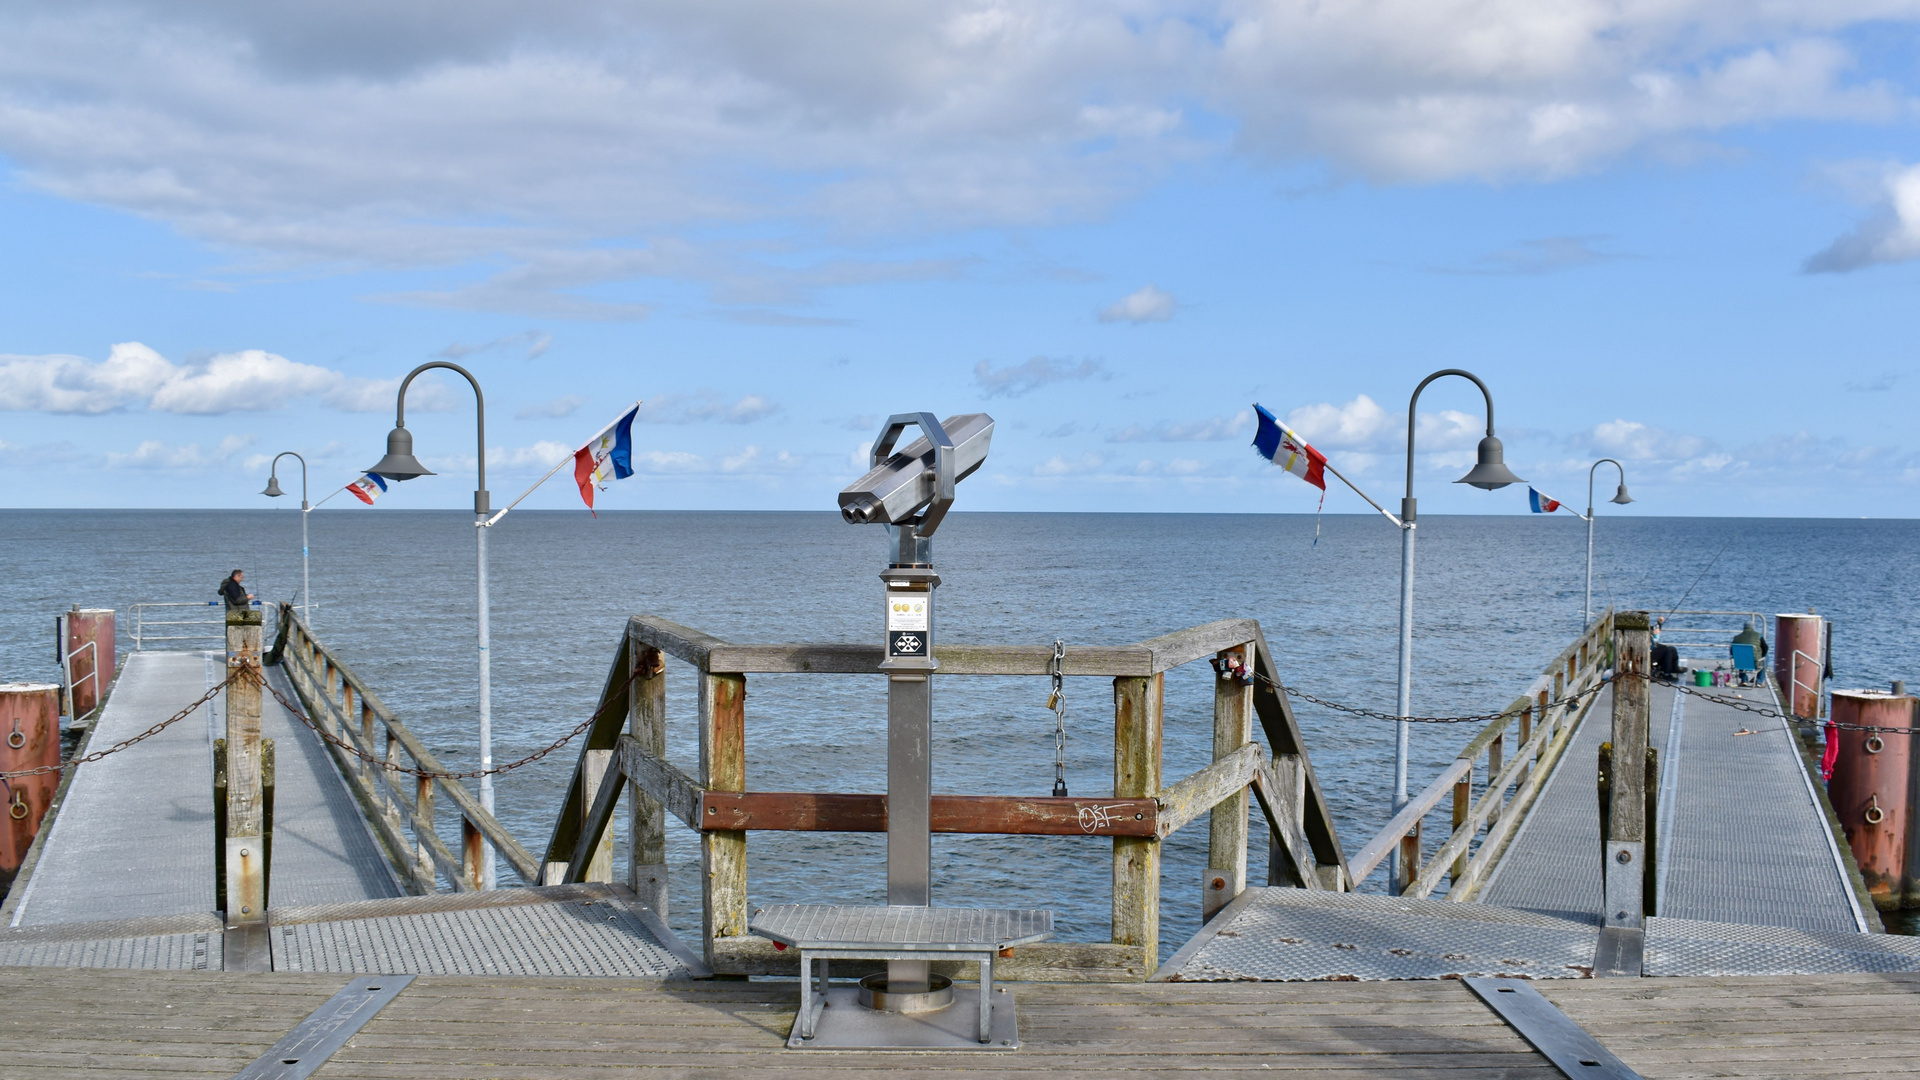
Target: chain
x,y
1758,710
1374,714
125,743
1057,701
409,770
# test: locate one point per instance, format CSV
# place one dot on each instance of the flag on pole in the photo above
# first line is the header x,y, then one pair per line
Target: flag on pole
x,y
1277,443
608,456
1543,505
368,487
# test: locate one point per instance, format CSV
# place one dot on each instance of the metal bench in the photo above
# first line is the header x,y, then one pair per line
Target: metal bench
x,y
825,932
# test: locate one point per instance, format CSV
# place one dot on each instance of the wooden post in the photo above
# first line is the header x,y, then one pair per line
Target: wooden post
x,y
1409,865
246,898
470,851
1626,847
723,767
1137,704
423,806
1462,805
593,772
1226,875
1496,757
647,826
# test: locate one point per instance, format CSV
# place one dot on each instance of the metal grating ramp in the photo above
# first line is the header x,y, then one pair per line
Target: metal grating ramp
x,y
168,943
1553,863
1749,843
584,931
1687,947
1283,935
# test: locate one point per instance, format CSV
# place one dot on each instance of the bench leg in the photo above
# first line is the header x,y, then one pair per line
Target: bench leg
x,y
809,1017
986,998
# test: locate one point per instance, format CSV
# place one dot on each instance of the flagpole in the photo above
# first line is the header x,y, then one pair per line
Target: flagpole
x,y
557,467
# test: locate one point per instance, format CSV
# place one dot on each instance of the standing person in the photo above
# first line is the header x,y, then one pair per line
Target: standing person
x,y
236,594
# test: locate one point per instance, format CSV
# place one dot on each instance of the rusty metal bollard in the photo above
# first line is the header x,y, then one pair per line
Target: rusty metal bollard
x,y
29,739
1869,787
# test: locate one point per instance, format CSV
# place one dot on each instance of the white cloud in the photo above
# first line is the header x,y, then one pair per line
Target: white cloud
x,y
1212,429
1890,235
134,375
1144,305
1635,441
706,406
1059,465
1360,424
559,408
523,137
1017,379
535,342
155,454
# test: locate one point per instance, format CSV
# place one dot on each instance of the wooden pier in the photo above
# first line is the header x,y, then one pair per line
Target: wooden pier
x,y
115,960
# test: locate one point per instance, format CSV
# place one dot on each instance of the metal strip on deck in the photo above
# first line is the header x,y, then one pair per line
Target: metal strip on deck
x,y
1279,935
308,1046
1749,843
1568,1045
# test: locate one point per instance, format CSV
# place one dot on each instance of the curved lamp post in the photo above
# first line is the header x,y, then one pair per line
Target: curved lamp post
x,y
273,491
1488,474
1620,497
400,464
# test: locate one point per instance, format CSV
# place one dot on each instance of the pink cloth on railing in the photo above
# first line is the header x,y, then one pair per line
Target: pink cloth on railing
x,y
1832,752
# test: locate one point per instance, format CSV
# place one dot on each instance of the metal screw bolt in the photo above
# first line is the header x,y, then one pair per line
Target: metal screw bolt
x,y
1623,858
243,853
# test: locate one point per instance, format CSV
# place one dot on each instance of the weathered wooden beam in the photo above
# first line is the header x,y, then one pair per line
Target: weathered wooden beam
x,y
1196,642
675,791
680,642
1198,794
776,811
647,822
246,858
1418,807
610,715
1046,961
1138,705
1280,801
723,767
595,825
831,658
1282,730
1227,825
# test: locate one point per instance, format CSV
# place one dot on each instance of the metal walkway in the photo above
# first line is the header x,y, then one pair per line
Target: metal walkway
x,y
134,837
1286,935
1742,836
568,930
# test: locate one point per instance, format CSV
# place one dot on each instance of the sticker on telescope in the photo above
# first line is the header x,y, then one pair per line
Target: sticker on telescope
x,y
907,612
906,643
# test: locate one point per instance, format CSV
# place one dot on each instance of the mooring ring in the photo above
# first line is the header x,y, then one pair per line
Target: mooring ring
x,y
1875,744
19,808
1874,814
16,740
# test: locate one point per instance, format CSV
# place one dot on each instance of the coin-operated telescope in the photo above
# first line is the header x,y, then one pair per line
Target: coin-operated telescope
x,y
911,490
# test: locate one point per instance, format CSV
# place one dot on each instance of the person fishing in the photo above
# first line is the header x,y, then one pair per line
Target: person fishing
x,y
236,594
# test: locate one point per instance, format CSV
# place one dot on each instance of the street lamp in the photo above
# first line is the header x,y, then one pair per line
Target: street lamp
x,y
1488,474
1620,497
273,491
400,464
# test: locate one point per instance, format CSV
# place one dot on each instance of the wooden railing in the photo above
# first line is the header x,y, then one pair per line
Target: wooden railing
x,y
1141,814
1545,722
400,806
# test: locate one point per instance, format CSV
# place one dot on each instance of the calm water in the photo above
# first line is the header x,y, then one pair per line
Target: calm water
x,y
1497,598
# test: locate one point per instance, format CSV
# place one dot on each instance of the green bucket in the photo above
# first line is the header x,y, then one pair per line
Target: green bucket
x,y
1703,678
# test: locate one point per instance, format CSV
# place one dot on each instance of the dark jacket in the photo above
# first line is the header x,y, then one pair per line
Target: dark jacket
x,y
235,593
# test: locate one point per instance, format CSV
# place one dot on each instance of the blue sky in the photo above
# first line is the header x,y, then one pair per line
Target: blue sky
x,y
1679,233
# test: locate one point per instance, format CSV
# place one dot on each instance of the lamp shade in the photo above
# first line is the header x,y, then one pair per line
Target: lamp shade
x,y
1621,496
273,487
400,464
1492,472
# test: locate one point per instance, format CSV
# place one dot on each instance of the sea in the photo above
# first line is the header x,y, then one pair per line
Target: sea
x,y
394,593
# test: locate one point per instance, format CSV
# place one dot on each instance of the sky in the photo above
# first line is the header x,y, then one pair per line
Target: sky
x,y
1676,233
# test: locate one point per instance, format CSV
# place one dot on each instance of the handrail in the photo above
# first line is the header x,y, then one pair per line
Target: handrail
x,y
1547,714
215,629
1143,812
314,669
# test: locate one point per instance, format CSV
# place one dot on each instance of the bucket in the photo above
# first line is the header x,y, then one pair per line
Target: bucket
x,y
1703,678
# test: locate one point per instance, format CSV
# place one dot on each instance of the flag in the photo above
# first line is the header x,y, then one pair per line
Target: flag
x,y
1277,443
1541,504
607,456
368,488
